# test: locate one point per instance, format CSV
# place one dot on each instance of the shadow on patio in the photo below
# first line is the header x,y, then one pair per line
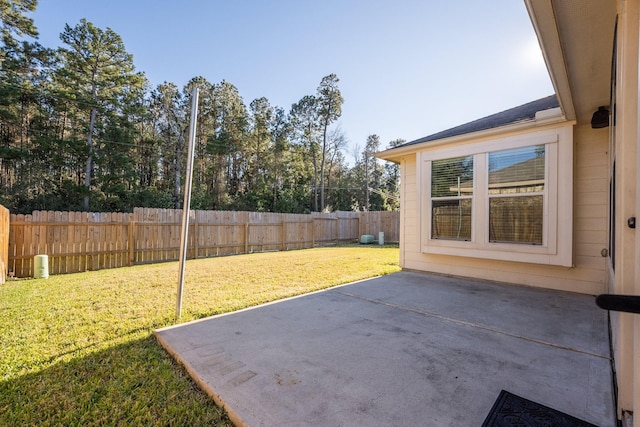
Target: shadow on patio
x,y
403,349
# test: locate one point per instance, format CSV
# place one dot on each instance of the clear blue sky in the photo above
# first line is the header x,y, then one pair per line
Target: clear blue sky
x,y
407,68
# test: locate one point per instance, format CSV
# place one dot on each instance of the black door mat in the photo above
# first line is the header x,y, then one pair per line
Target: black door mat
x,y
510,410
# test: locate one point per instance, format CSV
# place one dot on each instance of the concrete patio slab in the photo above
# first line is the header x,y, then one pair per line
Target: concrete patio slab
x,y
404,349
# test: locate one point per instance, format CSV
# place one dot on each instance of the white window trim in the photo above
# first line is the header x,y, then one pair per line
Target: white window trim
x,y
557,241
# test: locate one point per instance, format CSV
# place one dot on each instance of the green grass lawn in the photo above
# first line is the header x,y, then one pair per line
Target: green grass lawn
x,y
77,349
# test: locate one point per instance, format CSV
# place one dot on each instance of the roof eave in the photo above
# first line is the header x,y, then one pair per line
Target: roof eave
x,y
545,26
576,38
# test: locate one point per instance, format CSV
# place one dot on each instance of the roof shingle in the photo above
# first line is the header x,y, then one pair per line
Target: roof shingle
x,y
518,114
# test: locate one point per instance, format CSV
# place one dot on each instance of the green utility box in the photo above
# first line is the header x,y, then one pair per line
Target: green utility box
x,y
366,239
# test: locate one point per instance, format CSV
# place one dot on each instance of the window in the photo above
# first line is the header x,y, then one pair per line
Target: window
x,y
508,198
516,195
451,196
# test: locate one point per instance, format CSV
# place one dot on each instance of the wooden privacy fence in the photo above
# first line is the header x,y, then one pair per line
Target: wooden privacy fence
x,y
82,241
4,243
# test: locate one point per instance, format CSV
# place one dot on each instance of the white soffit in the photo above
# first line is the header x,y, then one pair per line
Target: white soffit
x,y
576,37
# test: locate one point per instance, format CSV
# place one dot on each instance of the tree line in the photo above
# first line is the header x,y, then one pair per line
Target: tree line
x,y
81,129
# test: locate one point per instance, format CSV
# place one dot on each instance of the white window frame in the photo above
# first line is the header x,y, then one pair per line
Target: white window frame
x,y
459,198
557,238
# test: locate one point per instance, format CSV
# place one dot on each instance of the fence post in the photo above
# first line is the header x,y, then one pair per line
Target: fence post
x,y
284,235
4,243
246,238
196,236
132,243
313,232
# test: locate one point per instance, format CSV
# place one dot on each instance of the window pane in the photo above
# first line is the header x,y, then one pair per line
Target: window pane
x,y
451,219
452,177
516,219
519,170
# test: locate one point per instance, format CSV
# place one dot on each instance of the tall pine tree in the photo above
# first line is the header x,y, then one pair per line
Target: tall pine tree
x,y
98,74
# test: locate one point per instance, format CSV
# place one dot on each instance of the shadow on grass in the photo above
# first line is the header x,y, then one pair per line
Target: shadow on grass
x,y
95,345
136,383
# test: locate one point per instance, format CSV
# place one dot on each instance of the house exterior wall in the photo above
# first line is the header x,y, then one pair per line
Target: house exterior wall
x,y
590,228
624,279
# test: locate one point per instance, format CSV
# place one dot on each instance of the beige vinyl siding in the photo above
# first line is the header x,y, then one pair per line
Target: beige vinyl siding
x,y
590,229
409,229
591,201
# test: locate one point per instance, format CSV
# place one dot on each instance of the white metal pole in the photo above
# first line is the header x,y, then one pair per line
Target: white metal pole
x,y
186,206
